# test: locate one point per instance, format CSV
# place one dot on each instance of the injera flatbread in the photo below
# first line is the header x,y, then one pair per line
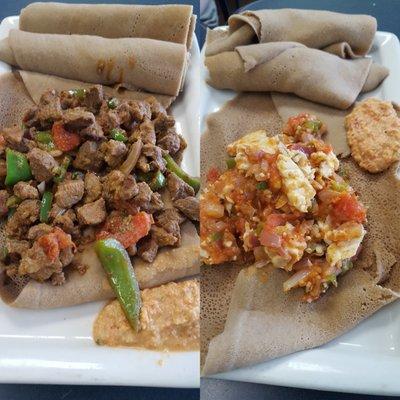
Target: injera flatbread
x,y
136,63
263,322
342,34
36,84
170,264
172,22
285,67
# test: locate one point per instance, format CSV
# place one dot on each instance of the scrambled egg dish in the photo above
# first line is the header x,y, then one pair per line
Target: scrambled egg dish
x,y
282,202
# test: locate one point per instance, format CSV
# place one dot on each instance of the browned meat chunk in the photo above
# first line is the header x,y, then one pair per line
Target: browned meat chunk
x,y
76,119
39,230
58,279
170,142
17,247
118,187
164,238
189,206
114,152
89,158
163,123
93,131
169,220
24,191
156,107
143,197
69,193
108,119
93,187
3,169
133,111
66,256
3,201
142,164
66,222
148,249
151,159
29,118
14,138
26,214
49,108
92,213
145,132
42,164
94,98
178,188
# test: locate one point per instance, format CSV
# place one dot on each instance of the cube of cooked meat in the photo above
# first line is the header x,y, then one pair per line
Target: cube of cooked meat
x,y
170,142
148,249
26,214
92,213
133,111
93,187
69,192
3,201
178,188
49,107
66,256
66,221
190,206
163,122
76,119
25,190
114,152
119,187
107,118
93,131
154,157
145,131
156,107
89,158
58,278
143,197
94,97
164,238
42,164
39,230
14,137
169,220
29,119
15,246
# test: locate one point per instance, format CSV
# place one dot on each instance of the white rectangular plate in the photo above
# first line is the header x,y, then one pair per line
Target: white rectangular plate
x,y
56,346
367,359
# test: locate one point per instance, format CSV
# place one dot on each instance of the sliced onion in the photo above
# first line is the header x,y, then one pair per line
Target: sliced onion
x,y
295,279
41,187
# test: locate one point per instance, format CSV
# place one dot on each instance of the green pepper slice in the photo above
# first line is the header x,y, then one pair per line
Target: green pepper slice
x,y
176,169
18,168
231,163
44,137
262,185
78,93
112,103
117,264
45,206
158,181
118,134
62,170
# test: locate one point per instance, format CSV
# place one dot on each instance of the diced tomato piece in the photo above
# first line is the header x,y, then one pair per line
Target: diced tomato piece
x,y
348,208
212,175
274,220
127,230
64,140
50,246
294,122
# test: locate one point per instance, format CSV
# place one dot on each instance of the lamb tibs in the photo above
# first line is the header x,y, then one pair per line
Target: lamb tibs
x,y
82,167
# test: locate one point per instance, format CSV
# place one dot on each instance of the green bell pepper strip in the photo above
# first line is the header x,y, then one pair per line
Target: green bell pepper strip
x,y
44,137
117,264
62,170
78,93
262,185
158,181
45,206
176,169
13,201
231,163
118,134
18,168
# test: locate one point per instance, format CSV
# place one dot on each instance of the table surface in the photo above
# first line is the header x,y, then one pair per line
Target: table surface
x,y
65,392
387,13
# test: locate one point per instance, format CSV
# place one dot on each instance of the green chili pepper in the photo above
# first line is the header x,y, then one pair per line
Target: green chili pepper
x,y
119,270
231,163
11,212
216,236
261,185
78,93
44,137
332,279
62,170
313,125
45,206
339,187
13,202
118,134
112,103
18,168
176,169
157,182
